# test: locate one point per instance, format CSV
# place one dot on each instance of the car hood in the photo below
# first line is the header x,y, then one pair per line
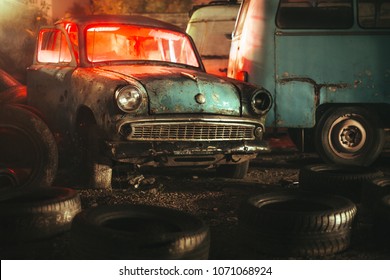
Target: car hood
x,y
181,90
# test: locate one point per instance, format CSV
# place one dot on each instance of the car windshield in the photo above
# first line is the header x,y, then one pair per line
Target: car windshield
x,y
131,43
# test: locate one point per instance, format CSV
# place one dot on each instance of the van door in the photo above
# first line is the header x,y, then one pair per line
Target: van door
x,y
310,56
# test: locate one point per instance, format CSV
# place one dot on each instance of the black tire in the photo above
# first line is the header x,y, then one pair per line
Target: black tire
x,y
27,147
234,171
8,179
34,214
336,179
138,232
99,167
349,135
297,223
373,191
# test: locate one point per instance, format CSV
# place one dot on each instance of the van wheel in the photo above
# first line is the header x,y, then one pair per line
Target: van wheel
x,y
33,214
297,223
27,147
336,179
234,171
349,135
138,232
99,167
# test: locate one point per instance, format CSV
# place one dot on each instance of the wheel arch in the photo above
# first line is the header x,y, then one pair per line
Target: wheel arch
x,y
382,110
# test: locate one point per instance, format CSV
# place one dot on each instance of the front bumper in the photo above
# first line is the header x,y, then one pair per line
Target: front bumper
x,y
184,153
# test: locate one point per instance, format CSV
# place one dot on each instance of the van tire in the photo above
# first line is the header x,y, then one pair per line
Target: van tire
x,y
336,179
297,223
22,123
233,171
350,136
138,232
37,213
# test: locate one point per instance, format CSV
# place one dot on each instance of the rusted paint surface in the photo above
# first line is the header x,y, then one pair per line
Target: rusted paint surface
x,y
192,117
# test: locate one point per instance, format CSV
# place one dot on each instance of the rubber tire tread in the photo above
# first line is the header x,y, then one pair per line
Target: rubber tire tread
x,y
320,231
91,239
336,179
38,213
27,121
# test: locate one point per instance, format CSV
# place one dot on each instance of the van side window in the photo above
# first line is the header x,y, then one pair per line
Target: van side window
x,y
315,14
374,13
241,18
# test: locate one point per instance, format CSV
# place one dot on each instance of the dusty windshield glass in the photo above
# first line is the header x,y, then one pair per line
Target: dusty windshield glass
x,y
127,42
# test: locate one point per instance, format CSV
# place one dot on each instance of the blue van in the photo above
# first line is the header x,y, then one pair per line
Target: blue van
x,y
327,65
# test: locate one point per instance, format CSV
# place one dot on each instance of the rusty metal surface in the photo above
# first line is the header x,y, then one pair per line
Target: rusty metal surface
x,y
213,116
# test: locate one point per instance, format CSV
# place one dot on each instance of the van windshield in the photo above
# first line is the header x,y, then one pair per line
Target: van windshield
x,y
315,14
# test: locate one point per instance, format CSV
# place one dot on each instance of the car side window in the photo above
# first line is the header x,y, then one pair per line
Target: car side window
x,y
315,14
374,13
52,47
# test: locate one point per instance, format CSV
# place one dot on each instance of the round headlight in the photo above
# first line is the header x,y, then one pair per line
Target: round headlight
x,y
261,102
129,98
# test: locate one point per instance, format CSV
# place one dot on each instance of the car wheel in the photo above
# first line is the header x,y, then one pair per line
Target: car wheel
x,y
99,167
8,178
27,147
234,171
349,135
297,223
342,180
138,232
33,214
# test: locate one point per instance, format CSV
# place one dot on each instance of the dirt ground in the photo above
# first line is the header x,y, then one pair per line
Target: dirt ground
x,y
215,200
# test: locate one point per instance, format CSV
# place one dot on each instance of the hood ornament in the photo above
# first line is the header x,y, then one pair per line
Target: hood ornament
x,y
200,98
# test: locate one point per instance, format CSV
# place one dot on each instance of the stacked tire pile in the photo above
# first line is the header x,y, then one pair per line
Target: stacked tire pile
x,y
317,219
32,210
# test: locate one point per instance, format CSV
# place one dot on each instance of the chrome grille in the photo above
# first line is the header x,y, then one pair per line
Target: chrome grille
x,y
189,131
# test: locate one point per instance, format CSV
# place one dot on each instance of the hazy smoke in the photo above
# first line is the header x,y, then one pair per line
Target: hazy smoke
x,y
18,27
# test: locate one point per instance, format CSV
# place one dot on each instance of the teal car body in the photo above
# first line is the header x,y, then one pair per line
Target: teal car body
x,y
140,85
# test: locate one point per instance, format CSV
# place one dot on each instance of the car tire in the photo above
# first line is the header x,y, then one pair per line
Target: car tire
x,y
27,147
233,171
99,167
350,136
297,223
35,214
336,179
8,178
138,232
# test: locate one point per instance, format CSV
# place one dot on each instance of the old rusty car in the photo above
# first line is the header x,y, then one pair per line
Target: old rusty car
x,y
130,89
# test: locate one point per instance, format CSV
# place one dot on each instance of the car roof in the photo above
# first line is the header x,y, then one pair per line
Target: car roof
x,y
121,19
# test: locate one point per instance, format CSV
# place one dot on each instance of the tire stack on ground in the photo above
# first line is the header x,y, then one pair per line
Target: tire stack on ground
x,y
376,202
297,224
36,213
315,221
138,232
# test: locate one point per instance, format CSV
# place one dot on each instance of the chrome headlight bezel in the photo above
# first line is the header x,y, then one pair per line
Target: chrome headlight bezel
x,y
261,102
129,98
